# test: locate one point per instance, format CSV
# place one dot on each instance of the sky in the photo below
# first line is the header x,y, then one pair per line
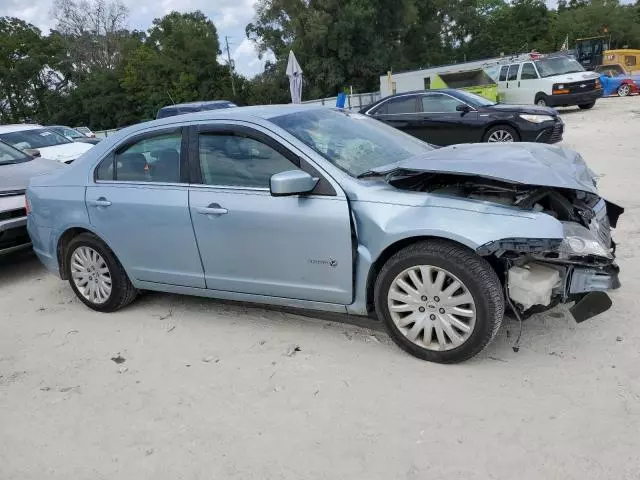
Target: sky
x,y
229,16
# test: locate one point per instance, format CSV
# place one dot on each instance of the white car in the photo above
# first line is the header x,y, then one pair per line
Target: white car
x,y
548,81
37,140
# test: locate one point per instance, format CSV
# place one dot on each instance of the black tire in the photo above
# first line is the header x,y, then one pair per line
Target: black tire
x,y
587,106
122,291
473,271
505,128
541,100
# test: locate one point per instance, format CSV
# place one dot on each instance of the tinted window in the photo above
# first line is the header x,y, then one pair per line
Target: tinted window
x,y
513,72
528,72
402,105
503,73
152,159
427,83
352,142
439,103
630,60
239,161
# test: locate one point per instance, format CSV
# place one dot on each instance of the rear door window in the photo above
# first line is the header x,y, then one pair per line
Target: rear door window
x,y
503,73
153,159
513,72
402,105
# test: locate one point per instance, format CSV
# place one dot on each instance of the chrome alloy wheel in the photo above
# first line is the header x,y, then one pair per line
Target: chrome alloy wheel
x,y
624,90
432,307
91,275
500,136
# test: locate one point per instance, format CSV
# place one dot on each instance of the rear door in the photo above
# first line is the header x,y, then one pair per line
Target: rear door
x,y
444,124
296,247
403,113
139,204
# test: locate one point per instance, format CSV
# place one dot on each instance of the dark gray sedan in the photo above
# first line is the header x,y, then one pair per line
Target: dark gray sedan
x,y
16,169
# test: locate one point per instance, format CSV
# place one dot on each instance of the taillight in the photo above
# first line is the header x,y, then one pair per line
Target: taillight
x,y
27,205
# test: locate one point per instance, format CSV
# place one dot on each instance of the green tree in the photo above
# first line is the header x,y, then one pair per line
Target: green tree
x,y
30,67
177,62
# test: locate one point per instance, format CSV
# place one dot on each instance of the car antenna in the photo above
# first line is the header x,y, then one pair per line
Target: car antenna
x,y
169,95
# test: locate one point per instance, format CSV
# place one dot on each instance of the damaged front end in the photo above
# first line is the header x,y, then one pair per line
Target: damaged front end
x,y
540,273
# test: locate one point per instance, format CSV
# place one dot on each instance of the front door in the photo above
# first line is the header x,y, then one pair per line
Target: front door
x,y
444,124
251,242
527,84
139,204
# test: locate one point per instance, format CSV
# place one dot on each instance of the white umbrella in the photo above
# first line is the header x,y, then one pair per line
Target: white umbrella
x,y
294,72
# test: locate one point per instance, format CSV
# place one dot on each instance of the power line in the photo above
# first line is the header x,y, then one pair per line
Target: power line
x,y
233,85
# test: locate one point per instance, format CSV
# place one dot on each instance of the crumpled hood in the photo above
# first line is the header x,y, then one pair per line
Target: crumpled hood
x,y
526,163
65,152
16,176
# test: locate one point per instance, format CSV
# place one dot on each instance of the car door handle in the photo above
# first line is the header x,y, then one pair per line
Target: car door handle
x,y
100,202
213,209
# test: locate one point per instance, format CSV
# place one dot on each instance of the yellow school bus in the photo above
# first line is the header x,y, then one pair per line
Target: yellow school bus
x,y
629,59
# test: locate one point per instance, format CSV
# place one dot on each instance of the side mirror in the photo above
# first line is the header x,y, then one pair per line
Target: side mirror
x,y
461,107
34,152
292,182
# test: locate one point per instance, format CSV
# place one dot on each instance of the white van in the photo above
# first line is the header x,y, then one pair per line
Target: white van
x,y
554,81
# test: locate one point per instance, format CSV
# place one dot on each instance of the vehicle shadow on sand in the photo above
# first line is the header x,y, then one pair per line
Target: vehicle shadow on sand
x,y
19,266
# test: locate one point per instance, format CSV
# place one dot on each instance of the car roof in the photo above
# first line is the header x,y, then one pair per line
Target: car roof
x,y
265,112
197,104
414,92
18,127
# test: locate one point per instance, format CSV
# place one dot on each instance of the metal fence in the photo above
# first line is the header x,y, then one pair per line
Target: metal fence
x,y
105,133
353,102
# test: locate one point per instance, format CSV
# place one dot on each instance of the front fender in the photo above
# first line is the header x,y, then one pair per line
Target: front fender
x,y
473,224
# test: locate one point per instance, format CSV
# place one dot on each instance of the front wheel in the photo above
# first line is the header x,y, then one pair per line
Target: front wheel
x,y
501,133
541,100
96,276
587,106
439,301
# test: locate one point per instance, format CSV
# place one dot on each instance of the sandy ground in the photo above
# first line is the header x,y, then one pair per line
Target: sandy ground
x,y
206,390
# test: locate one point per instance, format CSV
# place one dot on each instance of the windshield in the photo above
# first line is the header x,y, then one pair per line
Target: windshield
x,y
557,66
351,141
68,132
34,138
474,99
9,155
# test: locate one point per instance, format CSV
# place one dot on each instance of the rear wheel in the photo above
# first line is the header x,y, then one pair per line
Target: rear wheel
x,y
96,276
624,90
439,301
587,106
501,133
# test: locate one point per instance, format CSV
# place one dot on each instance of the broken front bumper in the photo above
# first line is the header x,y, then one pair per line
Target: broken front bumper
x,y
587,287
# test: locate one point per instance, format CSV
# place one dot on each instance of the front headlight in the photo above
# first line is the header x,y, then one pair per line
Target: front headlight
x,y
536,118
579,241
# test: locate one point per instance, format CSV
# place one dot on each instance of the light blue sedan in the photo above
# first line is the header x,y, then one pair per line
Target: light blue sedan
x,y
321,209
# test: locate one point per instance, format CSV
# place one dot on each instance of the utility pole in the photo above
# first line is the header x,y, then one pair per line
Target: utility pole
x,y
233,84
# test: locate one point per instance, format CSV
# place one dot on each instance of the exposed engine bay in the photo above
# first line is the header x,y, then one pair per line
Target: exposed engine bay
x,y
540,273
